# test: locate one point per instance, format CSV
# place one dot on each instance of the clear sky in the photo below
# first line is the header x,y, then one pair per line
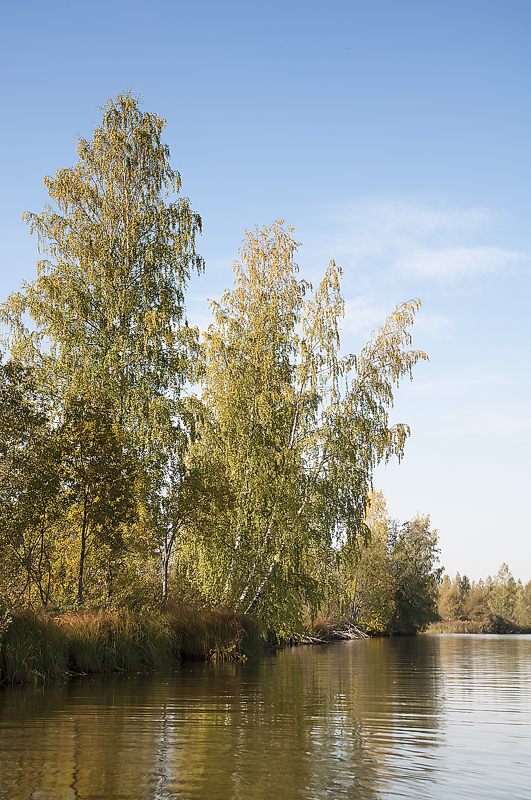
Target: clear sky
x,y
395,136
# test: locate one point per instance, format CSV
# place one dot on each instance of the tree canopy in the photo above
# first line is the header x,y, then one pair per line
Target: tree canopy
x,y
107,335
252,494
293,430
395,578
107,307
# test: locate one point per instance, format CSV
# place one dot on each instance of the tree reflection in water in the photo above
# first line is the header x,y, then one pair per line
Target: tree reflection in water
x,y
364,720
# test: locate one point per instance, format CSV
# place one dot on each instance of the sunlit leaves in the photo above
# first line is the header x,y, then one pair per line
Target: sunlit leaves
x,y
30,504
294,428
105,316
394,576
108,303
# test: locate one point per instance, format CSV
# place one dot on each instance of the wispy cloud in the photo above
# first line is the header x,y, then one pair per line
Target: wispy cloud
x,y
412,238
458,261
431,324
362,315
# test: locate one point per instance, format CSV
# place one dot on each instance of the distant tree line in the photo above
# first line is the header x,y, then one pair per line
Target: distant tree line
x,y
499,604
140,460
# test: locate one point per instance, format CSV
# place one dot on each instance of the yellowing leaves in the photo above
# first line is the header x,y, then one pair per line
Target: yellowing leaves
x,y
295,427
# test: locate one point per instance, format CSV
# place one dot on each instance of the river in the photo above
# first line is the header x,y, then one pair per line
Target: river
x,y
427,717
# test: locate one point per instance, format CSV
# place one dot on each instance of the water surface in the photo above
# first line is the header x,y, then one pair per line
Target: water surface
x,y
431,717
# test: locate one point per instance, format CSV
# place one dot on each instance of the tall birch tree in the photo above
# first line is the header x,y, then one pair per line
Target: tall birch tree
x,y
107,307
294,428
107,314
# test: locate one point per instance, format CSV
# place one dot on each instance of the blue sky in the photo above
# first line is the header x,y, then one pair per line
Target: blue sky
x,y
393,135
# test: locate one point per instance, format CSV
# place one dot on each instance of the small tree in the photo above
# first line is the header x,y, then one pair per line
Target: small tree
x,y
372,579
99,478
453,597
29,487
503,594
415,552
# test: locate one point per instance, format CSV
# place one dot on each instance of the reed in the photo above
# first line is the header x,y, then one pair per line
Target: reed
x,y
220,633
33,648
117,641
37,647
207,632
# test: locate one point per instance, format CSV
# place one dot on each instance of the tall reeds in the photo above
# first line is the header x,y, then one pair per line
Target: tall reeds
x,y
36,647
33,648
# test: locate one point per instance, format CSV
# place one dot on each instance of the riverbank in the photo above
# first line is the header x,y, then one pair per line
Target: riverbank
x,y
37,647
484,625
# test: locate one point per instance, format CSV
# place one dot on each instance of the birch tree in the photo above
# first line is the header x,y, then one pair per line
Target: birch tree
x,y
106,311
107,307
294,428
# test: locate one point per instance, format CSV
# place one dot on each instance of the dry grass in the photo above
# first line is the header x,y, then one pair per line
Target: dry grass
x,y
484,624
36,647
33,648
211,632
454,626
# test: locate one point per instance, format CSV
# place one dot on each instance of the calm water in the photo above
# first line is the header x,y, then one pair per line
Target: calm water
x,y
432,717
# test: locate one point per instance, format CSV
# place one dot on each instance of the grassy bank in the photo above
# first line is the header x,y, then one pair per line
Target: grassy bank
x,y
484,625
37,647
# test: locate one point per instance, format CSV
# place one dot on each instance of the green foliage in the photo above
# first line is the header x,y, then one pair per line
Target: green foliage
x,y
497,605
65,494
29,485
291,431
394,585
414,553
252,497
107,335
371,588
98,481
502,595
